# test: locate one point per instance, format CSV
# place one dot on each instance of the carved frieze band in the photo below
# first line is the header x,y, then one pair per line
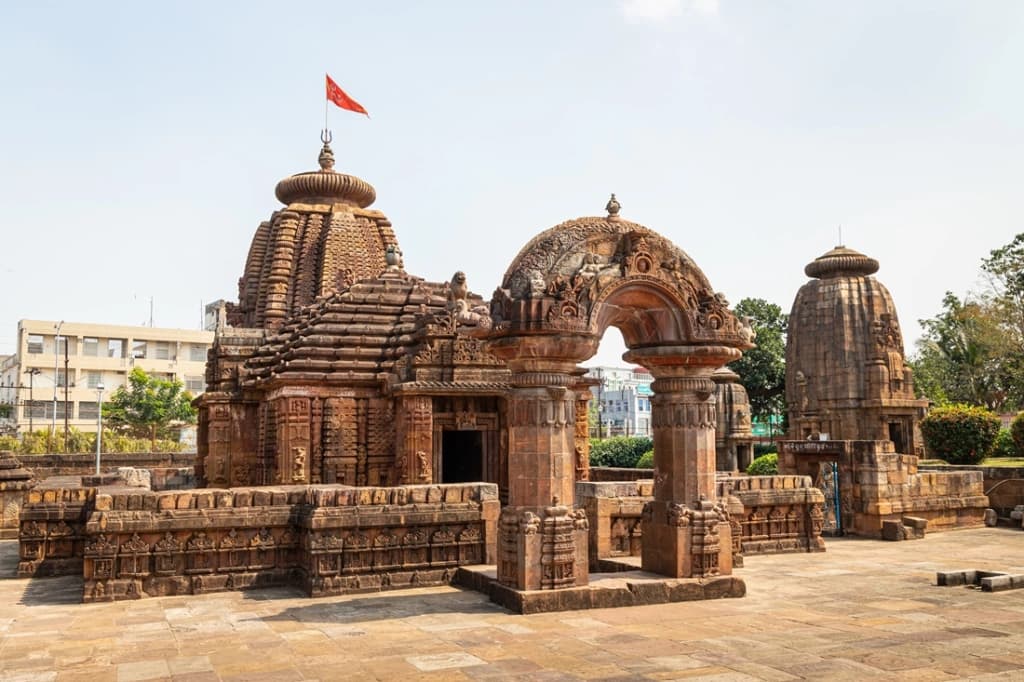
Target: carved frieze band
x,y
684,415
525,379
547,412
700,386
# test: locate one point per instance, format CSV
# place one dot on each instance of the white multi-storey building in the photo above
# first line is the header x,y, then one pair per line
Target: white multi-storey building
x,y
46,369
623,400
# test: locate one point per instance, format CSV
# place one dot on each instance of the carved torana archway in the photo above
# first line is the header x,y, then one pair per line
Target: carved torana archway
x,y
559,296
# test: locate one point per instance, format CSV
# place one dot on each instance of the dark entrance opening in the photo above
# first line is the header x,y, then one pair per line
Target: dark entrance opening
x,y
896,435
462,456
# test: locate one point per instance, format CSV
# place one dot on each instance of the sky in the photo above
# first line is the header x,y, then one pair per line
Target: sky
x,y
140,142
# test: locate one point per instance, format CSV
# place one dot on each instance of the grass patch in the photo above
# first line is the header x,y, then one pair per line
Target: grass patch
x,y
990,462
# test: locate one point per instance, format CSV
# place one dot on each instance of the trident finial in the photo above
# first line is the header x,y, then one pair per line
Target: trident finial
x,y
326,158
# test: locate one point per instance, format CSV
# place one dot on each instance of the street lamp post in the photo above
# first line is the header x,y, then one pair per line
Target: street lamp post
x,y
31,372
56,360
99,424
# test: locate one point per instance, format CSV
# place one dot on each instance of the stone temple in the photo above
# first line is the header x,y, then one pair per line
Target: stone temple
x,y
853,418
366,429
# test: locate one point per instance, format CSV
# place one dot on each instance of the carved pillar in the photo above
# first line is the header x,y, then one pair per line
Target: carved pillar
x,y
542,539
414,439
582,430
685,528
293,440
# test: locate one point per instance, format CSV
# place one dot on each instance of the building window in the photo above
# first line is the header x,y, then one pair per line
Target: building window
x,y
90,346
35,343
87,410
62,378
35,409
115,348
62,342
195,384
197,353
93,379
43,409
163,350
138,349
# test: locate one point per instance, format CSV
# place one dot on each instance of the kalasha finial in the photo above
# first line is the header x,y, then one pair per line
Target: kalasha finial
x,y
326,155
613,207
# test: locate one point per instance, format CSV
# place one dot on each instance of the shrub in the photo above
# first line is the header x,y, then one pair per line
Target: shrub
x,y
1017,433
960,434
620,451
1004,445
764,449
765,465
646,460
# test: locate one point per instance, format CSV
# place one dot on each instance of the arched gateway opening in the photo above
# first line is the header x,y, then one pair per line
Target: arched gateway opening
x,y
558,297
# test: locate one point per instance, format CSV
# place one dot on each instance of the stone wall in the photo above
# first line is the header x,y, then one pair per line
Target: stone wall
x,y
1004,486
15,480
335,539
768,515
614,510
877,484
617,474
780,513
45,466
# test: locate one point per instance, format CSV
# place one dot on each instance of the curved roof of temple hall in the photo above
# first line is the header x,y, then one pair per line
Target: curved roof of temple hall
x,y
323,240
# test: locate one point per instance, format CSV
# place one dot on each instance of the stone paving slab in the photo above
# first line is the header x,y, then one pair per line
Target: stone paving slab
x,y
863,610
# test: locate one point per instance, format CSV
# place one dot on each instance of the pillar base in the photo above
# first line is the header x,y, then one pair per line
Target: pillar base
x,y
686,541
542,548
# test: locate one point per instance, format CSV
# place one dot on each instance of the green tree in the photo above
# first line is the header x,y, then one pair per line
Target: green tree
x,y
762,370
967,355
147,406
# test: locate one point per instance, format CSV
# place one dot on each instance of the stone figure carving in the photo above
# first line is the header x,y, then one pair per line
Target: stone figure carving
x,y
537,284
458,305
424,466
298,465
393,258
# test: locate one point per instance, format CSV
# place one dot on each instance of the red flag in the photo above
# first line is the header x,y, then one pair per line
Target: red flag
x,y
338,96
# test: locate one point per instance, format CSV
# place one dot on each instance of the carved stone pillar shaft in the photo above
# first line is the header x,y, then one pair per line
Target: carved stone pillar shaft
x,y
542,539
685,529
414,439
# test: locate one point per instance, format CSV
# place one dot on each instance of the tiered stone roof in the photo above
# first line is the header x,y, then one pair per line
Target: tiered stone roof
x,y
350,338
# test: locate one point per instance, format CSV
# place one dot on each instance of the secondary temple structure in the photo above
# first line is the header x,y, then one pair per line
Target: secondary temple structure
x,y
853,418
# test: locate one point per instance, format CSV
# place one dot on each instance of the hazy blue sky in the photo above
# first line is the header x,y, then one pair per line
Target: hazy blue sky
x,y
141,142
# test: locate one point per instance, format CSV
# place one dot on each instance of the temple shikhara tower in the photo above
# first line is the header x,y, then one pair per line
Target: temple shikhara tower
x,y
846,376
853,418
338,366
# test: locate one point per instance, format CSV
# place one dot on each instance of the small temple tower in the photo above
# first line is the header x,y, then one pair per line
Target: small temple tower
x,y
734,436
846,377
338,366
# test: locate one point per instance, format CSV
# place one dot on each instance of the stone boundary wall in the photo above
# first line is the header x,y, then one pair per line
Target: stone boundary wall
x,y
614,510
781,514
768,515
45,466
1004,486
617,474
130,544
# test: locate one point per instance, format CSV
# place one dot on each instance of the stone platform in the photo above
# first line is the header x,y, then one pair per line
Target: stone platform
x,y
863,610
627,587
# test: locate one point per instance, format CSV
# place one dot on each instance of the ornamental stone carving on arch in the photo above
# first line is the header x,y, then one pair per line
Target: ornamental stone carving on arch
x,y
562,278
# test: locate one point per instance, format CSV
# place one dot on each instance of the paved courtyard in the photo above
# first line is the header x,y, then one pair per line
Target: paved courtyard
x,y
864,610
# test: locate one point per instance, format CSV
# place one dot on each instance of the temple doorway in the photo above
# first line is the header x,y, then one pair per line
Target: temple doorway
x,y
462,456
897,434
